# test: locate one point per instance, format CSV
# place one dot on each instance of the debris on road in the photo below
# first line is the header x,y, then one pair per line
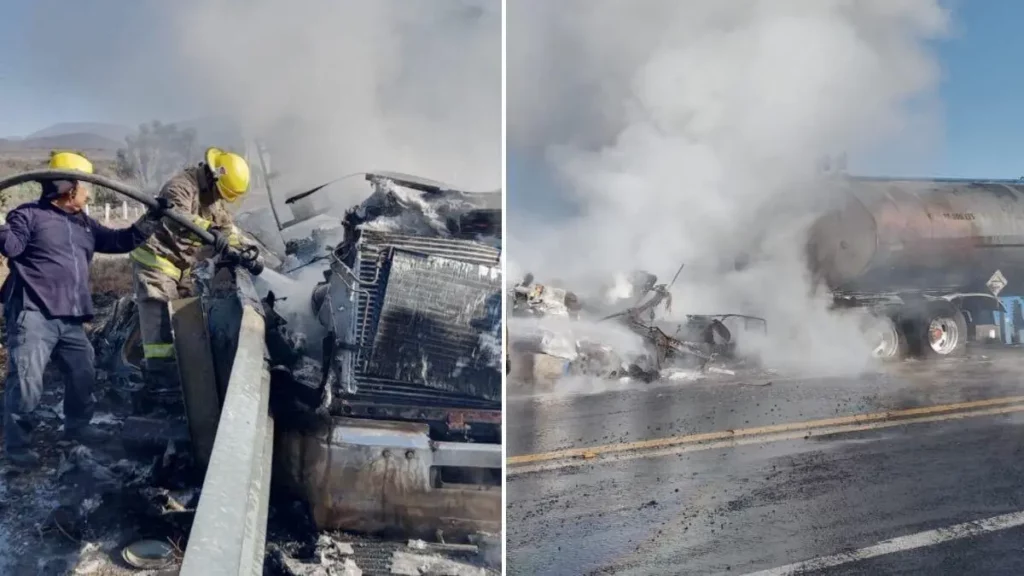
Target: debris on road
x,y
409,564
560,335
149,554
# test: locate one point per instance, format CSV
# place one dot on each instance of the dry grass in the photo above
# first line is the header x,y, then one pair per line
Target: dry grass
x,y
111,274
108,274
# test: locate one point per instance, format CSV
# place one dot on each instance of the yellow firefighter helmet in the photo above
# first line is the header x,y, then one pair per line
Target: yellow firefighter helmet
x,y
230,171
70,161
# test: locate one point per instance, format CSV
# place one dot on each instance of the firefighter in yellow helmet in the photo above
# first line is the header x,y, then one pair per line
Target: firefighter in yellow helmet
x,y
161,265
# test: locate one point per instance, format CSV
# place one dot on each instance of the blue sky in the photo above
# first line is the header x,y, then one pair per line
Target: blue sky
x,y
31,96
982,90
26,106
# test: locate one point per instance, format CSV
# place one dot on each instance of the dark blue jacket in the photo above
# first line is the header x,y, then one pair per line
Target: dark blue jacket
x,y
49,252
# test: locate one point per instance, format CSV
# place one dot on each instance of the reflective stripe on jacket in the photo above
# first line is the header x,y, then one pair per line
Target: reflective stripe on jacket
x,y
174,247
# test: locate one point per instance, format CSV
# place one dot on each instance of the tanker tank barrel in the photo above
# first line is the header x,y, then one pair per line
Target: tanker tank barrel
x,y
918,234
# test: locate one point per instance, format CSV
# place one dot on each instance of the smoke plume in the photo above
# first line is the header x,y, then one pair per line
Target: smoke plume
x,y
387,84
689,131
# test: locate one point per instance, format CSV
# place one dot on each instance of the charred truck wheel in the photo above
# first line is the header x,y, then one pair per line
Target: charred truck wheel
x,y
719,338
936,329
317,298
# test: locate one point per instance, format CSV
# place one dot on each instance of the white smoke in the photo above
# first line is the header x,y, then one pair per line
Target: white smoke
x,y
689,131
400,85
365,85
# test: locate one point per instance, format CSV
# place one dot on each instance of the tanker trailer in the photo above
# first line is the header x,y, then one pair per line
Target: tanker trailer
x,y
927,257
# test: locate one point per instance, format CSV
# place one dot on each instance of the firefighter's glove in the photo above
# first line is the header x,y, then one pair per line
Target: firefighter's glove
x,y
162,206
149,223
220,241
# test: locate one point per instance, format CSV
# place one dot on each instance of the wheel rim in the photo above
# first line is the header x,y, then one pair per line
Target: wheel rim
x,y
886,339
943,335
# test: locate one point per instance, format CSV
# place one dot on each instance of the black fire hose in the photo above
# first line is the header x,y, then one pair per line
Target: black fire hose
x,y
245,258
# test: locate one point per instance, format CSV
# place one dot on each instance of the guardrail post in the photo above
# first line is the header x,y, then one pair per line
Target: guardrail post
x,y
106,212
228,534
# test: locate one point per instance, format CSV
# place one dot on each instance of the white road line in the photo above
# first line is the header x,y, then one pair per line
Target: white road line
x,y
901,544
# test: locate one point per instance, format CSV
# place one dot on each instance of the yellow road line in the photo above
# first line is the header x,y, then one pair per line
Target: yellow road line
x,y
671,441
745,441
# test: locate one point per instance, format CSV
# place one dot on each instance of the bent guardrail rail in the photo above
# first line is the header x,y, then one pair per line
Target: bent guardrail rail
x,y
228,534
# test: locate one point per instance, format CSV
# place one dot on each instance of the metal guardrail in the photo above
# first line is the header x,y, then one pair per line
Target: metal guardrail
x,y
228,534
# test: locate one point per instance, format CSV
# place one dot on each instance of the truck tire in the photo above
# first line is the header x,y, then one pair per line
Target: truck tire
x,y
941,332
888,341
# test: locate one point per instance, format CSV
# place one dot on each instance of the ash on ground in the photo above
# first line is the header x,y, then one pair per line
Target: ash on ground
x,y
296,548
76,512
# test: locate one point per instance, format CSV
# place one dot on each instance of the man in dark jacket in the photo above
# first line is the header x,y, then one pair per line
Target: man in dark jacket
x,y
47,299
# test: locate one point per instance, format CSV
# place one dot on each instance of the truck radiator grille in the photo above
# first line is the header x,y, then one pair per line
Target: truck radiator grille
x,y
428,309
391,391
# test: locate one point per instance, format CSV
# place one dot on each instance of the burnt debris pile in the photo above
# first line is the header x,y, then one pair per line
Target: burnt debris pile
x,y
83,505
624,334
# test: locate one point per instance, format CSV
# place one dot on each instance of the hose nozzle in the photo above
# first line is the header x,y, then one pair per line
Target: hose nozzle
x,y
248,258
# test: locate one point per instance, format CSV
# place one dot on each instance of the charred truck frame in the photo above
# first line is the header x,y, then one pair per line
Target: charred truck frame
x,y
700,340
927,258
398,426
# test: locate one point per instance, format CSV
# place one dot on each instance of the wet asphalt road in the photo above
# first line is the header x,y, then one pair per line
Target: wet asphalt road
x,y
747,508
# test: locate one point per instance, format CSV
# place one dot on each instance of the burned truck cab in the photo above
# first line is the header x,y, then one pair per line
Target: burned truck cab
x,y
400,423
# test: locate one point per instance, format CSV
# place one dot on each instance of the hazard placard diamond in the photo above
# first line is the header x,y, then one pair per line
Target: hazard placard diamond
x,y
996,283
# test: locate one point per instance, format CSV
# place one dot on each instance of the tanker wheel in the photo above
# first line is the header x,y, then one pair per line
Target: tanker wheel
x,y
889,343
942,331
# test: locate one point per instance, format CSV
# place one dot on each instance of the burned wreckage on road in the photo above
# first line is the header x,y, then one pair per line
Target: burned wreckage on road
x,y
386,387
925,266
703,342
410,369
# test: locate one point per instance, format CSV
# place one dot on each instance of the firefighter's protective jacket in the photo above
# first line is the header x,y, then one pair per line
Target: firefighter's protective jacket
x,y
173,249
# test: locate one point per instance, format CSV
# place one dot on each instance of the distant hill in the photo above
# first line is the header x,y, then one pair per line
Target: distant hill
x,y
104,139
114,132
77,141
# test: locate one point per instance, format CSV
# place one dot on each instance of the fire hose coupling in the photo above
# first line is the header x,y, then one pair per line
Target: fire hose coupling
x,y
248,258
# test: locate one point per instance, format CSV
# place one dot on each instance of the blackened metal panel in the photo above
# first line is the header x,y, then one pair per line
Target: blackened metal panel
x,y
198,375
373,241
432,317
389,390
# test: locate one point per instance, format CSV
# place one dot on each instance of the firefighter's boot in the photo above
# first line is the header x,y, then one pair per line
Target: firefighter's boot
x,y
161,389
